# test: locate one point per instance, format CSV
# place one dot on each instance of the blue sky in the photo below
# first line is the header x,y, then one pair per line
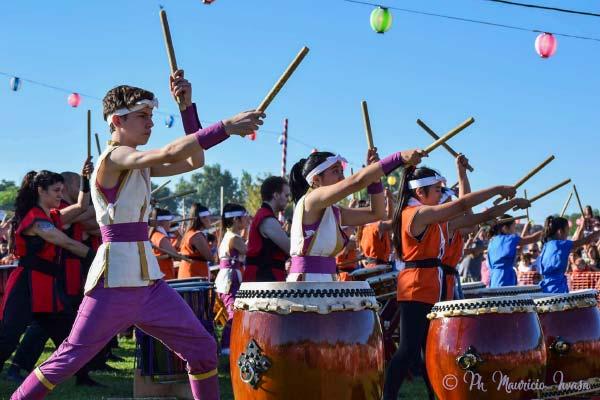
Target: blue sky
x,y
439,70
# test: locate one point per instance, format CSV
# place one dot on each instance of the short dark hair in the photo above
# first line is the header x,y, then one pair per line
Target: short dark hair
x,y
272,185
123,96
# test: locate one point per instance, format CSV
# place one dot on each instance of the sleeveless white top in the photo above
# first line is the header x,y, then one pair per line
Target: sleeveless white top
x,y
224,278
123,264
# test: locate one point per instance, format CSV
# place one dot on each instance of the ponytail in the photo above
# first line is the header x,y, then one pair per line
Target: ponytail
x,y
298,184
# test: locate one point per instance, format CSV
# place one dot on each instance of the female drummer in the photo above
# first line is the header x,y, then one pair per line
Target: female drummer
x,y
554,257
159,237
502,251
317,184
232,255
194,244
34,290
419,242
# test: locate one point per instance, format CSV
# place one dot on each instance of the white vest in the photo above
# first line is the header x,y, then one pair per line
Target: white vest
x,y
224,278
123,264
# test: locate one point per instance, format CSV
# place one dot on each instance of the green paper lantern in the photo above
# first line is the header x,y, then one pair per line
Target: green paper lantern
x,y
381,19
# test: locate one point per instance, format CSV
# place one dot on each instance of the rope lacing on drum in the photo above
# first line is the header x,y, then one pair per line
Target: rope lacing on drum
x,y
301,293
482,304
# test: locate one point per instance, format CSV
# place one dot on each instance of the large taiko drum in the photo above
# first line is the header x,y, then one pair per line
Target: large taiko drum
x,y
306,340
571,327
502,291
481,348
472,286
362,274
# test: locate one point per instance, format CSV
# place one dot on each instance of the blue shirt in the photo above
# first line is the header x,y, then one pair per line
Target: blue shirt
x,y
553,261
502,253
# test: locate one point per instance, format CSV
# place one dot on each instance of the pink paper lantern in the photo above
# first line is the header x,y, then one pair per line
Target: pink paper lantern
x,y
252,136
545,45
314,151
74,99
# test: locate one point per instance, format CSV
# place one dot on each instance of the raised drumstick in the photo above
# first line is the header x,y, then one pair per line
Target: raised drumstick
x,y
367,121
436,137
548,191
578,199
564,209
448,135
510,219
89,133
176,195
528,176
160,186
283,79
98,144
170,50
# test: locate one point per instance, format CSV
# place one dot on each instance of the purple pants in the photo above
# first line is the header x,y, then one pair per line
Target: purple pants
x,y
157,309
228,299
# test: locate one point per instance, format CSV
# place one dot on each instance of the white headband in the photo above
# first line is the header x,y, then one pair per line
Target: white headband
x,y
204,214
136,107
329,161
233,214
428,181
447,193
165,218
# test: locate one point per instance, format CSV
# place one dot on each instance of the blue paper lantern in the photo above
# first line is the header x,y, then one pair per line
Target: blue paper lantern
x,y
169,120
15,83
280,140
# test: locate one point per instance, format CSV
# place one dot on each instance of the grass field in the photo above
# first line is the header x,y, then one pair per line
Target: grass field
x,y
119,384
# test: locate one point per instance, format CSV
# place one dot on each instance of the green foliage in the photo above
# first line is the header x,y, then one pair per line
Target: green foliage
x,y
7,198
207,182
172,204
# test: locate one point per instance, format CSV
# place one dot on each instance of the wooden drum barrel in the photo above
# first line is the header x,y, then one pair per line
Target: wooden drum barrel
x,y
571,327
306,340
488,348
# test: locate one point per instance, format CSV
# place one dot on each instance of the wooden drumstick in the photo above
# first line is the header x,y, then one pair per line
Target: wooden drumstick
x,y
98,143
161,186
176,195
89,133
548,191
564,209
283,79
578,199
173,254
505,220
367,121
436,137
528,176
448,136
170,50
527,209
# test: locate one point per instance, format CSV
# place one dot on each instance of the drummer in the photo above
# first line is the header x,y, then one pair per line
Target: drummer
x,y
232,255
556,248
194,244
419,242
375,240
317,184
159,237
502,251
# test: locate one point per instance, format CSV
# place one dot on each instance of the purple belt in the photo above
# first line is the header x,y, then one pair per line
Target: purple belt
x,y
225,263
126,232
313,265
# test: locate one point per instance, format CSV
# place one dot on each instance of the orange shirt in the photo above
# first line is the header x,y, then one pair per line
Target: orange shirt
x,y
196,268
453,253
419,284
374,243
166,265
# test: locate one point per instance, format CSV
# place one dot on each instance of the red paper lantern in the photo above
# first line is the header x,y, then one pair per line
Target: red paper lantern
x,y
74,99
545,45
252,136
314,151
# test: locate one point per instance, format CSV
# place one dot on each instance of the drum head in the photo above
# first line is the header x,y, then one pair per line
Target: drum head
x,y
388,276
318,297
566,301
504,291
472,285
484,305
378,269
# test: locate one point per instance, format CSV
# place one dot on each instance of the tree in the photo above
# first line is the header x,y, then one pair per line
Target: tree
x,y
172,204
5,185
208,184
250,192
8,195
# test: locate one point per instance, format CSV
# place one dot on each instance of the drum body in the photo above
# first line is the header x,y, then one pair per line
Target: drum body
x,y
571,326
362,274
502,291
481,348
306,340
384,285
472,286
153,358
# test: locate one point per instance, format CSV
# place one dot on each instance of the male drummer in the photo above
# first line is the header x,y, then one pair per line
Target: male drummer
x,y
268,244
124,285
